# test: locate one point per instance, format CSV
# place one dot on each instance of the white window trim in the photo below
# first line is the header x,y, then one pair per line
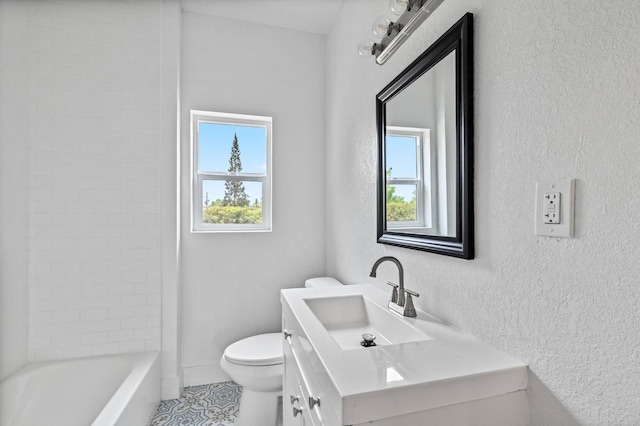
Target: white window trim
x,y
425,154
197,177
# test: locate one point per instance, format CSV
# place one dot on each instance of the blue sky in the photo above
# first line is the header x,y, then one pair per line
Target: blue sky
x,y
214,150
401,156
215,147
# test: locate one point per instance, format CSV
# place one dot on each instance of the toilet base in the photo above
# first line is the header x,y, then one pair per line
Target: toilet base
x,y
258,408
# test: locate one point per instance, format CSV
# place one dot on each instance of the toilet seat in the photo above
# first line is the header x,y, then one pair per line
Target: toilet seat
x,y
260,350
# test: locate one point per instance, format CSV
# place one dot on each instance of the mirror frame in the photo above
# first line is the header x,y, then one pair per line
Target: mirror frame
x,y
458,38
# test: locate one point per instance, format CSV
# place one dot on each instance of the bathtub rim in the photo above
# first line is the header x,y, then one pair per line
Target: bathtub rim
x,y
140,372
142,364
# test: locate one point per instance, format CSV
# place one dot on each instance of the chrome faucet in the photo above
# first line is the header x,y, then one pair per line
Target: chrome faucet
x,y
398,302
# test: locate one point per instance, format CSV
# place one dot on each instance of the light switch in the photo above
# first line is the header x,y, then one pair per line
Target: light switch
x,y
554,208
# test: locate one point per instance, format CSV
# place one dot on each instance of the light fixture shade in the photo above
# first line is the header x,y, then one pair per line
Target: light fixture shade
x,y
394,33
398,6
381,26
366,48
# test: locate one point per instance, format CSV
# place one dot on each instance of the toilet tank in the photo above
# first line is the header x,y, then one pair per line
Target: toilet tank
x,y
322,282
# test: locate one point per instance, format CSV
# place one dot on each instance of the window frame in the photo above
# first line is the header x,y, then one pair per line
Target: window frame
x,y
425,154
199,177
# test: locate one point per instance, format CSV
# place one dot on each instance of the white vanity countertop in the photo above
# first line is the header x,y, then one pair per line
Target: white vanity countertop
x,y
452,367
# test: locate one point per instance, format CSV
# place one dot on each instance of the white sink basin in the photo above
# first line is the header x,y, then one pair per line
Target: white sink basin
x,y
346,318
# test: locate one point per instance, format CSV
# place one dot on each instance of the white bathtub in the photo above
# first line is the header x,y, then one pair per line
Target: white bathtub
x,y
122,390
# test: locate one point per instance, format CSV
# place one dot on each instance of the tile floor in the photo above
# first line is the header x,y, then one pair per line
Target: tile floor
x,y
205,405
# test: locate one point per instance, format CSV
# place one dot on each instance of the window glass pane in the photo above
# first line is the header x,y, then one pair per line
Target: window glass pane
x,y
401,203
215,148
231,202
401,156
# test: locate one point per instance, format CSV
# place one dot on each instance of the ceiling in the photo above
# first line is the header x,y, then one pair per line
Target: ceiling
x,y
314,16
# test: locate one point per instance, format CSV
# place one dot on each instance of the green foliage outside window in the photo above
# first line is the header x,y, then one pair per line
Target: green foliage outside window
x,y
232,214
399,210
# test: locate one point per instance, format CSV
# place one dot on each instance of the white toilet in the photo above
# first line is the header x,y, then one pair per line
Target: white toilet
x,y
255,363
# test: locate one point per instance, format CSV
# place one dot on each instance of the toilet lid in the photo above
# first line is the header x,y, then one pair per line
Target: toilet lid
x,y
263,349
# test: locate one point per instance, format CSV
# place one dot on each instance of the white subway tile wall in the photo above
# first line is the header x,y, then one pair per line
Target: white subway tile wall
x,y
94,224
14,108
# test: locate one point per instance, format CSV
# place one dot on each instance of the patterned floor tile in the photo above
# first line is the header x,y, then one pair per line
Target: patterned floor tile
x,y
205,405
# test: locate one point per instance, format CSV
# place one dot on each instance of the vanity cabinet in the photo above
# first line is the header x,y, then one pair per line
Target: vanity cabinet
x,y
308,396
444,378
295,410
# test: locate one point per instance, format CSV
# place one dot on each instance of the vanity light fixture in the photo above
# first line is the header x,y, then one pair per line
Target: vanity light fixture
x,y
394,33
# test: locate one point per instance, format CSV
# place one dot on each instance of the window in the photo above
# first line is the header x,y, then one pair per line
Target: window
x,y
231,172
410,178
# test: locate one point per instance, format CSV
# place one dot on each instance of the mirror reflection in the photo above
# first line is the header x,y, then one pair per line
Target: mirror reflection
x,y
420,154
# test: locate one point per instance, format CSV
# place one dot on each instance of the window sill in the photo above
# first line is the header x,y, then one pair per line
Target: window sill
x,y
229,230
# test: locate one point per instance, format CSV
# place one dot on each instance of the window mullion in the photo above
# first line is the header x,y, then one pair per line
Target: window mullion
x,y
233,177
402,181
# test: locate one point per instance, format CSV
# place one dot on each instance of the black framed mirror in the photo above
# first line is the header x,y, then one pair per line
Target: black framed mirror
x,y
425,149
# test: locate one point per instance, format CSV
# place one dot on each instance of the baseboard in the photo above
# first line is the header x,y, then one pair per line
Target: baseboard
x,y
204,374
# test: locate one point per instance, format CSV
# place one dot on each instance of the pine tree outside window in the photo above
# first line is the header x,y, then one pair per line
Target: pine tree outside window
x,y
231,164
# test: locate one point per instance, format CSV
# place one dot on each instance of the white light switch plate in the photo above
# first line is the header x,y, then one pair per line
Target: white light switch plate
x,y
554,208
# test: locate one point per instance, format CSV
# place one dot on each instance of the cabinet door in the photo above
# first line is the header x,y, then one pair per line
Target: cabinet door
x,y
294,410
291,397
324,405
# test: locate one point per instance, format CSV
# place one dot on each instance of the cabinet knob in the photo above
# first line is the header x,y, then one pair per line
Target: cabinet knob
x,y
294,398
296,411
287,334
313,402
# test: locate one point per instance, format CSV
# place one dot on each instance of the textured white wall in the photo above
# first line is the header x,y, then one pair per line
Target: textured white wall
x,y
556,96
231,282
94,222
14,206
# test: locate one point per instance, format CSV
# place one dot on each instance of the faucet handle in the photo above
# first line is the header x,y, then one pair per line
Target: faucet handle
x,y
412,293
394,292
409,310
